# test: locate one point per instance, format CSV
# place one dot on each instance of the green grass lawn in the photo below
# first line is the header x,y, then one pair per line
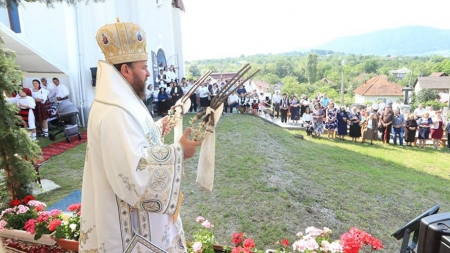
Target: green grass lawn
x,y
271,185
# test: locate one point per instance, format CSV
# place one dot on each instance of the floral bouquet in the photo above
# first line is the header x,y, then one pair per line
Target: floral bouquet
x,y
70,228
203,238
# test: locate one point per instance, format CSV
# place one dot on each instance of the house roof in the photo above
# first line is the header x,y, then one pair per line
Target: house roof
x,y
434,82
438,74
379,86
262,86
326,80
401,71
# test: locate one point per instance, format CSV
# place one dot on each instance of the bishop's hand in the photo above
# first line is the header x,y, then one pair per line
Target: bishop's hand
x,y
189,146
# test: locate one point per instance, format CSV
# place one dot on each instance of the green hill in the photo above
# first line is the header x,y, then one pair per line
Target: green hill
x,y
409,40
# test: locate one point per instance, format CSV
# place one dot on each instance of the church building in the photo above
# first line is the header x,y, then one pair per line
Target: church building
x,y
60,42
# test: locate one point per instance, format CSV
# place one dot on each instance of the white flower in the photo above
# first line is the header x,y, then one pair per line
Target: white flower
x,y
197,246
73,226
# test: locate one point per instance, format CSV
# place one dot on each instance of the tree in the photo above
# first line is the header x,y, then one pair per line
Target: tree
x,y
311,67
271,78
194,70
427,95
17,150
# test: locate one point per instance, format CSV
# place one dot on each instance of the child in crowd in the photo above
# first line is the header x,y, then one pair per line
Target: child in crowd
x,y
307,121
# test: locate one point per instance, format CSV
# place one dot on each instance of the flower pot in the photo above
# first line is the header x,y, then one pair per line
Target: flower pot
x,y
25,236
66,244
219,248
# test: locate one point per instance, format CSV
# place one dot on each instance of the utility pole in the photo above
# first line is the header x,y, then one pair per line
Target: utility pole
x,y
342,83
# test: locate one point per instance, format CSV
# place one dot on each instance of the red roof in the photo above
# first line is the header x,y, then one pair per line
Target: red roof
x,y
379,86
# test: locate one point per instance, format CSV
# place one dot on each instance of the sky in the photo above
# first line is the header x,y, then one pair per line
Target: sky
x,y
214,29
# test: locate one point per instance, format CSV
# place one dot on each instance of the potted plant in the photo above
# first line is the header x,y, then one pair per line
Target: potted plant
x,y
19,221
67,235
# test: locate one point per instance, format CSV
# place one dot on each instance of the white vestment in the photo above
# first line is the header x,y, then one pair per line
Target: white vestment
x,y
131,181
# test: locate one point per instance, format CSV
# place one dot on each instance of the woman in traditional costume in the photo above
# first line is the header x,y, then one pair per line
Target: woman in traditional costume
x,y
40,96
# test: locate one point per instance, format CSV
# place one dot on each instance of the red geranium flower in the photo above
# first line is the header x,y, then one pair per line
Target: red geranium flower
x,y
74,207
27,199
54,224
237,238
15,202
285,242
249,243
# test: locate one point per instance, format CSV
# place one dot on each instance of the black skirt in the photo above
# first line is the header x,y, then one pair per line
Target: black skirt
x,y
204,102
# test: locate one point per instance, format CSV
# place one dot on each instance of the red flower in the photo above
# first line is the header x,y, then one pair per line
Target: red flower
x,y
15,202
285,242
30,226
237,238
53,225
249,243
237,250
27,199
353,240
74,207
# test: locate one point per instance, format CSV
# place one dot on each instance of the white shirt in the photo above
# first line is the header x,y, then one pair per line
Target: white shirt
x,y
59,91
276,98
306,117
155,95
40,94
419,112
233,98
203,91
49,87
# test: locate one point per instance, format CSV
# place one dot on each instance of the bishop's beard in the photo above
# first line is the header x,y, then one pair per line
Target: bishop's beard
x,y
139,86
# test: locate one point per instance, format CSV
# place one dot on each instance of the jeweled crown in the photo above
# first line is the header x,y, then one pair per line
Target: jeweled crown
x,y
122,42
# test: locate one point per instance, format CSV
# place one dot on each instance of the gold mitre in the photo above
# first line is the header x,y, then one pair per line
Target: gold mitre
x,y
122,42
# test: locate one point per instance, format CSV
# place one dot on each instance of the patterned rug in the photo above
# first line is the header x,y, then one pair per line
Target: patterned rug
x,y
60,147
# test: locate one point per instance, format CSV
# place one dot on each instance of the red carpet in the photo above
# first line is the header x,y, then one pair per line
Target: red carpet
x,y
61,146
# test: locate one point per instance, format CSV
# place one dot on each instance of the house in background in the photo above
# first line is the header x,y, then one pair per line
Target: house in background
x,y
327,81
378,89
400,73
438,81
60,41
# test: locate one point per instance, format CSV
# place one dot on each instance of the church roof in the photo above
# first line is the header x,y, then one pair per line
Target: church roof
x,y
379,86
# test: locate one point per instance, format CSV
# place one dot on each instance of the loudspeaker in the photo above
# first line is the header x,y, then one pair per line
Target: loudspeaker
x,y
94,75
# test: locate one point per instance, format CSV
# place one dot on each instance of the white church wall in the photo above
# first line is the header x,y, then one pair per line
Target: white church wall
x,y
65,36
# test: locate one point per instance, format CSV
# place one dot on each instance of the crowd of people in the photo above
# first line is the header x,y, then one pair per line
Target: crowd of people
x,y
38,104
379,120
319,115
